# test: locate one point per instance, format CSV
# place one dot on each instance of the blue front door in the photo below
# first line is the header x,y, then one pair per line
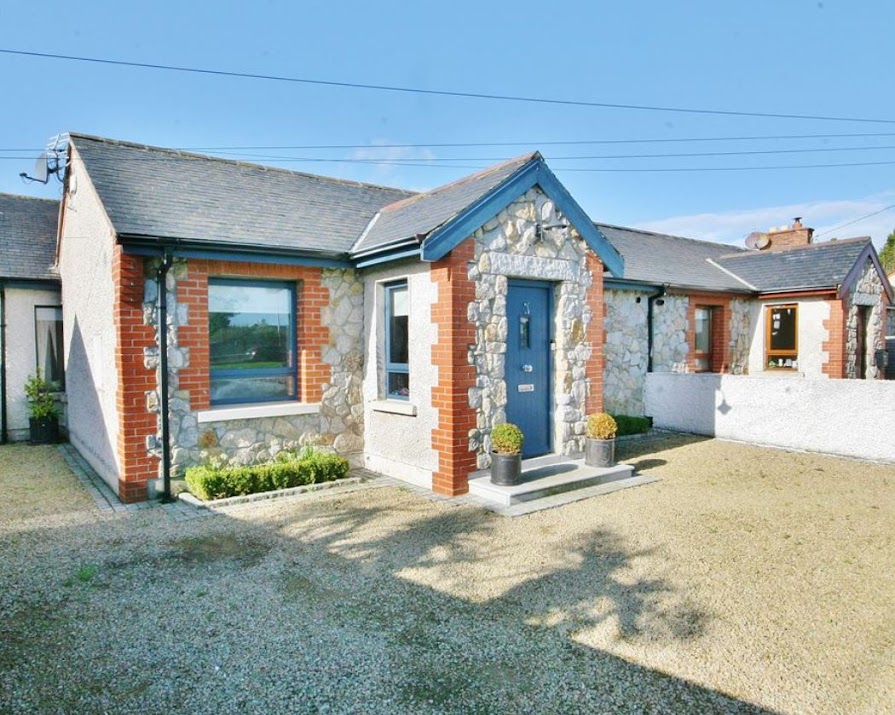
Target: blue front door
x,y
527,367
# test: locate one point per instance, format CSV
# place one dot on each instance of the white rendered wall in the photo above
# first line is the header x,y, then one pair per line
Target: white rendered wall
x,y
853,418
400,445
812,334
21,358
88,298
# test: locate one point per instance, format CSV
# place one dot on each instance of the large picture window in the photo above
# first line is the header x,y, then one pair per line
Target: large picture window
x,y
48,341
251,336
782,341
397,313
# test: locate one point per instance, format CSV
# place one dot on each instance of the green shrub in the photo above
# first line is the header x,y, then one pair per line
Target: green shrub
x,y
213,481
41,403
507,438
628,424
601,425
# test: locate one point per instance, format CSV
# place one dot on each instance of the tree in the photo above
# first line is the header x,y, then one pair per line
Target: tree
x,y
887,255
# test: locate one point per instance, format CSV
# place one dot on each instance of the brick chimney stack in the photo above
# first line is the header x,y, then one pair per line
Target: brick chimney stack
x,y
779,239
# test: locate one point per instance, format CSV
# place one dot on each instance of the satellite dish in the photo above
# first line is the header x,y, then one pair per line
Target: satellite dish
x,y
41,168
757,240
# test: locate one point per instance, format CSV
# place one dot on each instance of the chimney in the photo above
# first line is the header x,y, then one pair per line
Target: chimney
x,y
779,239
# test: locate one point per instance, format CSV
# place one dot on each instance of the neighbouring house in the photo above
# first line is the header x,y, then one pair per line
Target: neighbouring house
x,y
270,309
787,306
30,306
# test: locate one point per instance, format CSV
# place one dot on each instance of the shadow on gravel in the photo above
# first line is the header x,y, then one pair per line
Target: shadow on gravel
x,y
330,607
629,449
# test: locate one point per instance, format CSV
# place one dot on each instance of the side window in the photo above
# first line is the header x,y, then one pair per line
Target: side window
x,y
703,346
782,343
397,313
251,340
48,341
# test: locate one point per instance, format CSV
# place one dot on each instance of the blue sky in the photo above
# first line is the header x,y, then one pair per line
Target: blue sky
x,y
830,58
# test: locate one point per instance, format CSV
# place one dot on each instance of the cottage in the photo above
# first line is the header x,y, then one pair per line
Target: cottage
x,y
246,309
30,306
787,306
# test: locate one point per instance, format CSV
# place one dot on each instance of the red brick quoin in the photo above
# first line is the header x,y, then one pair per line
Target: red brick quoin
x,y
137,424
450,396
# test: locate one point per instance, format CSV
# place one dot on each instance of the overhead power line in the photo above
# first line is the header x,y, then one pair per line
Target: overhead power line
x,y
857,220
387,162
442,92
410,161
402,160
731,168
572,142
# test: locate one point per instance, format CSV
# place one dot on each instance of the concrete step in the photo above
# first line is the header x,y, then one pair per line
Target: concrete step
x,y
544,477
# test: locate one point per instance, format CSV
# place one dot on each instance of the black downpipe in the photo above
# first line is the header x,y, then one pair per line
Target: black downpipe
x,y
4,432
650,301
161,277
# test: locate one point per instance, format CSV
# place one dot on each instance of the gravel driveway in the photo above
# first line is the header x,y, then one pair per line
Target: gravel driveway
x,y
747,580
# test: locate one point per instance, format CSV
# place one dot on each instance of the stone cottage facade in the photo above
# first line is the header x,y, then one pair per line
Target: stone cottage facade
x,y
399,328
433,269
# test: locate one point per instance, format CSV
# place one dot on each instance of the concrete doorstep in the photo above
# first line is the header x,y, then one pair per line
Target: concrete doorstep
x,y
552,481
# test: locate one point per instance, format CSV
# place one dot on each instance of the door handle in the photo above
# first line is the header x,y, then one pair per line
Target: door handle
x,y
527,368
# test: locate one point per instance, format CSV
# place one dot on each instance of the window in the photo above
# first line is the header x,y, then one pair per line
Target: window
x,y
703,348
251,337
397,312
48,342
782,328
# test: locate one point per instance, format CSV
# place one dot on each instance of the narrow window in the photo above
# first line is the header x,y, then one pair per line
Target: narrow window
x,y
781,326
48,341
251,337
702,359
397,313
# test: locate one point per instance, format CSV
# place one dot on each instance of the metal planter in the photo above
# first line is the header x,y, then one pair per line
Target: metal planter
x,y
599,452
506,469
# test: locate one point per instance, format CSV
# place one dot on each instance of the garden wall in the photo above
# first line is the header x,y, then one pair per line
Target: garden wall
x,y
852,418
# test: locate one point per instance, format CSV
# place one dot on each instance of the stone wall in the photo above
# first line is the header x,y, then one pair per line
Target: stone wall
x,y
509,246
670,348
866,292
339,422
627,351
740,335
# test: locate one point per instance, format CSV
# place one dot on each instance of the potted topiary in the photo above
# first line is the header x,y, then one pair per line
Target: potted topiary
x,y
506,455
599,447
43,414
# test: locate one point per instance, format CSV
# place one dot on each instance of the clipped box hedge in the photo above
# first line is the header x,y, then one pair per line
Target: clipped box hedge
x,y
214,482
628,424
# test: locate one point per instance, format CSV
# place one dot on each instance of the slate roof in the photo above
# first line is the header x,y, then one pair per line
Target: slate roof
x,y
28,237
417,216
164,193
819,265
660,258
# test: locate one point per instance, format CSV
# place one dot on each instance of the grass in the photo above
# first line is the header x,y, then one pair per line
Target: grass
x,y
83,575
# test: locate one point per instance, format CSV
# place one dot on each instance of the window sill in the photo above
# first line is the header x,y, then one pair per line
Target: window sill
x,y
395,407
265,409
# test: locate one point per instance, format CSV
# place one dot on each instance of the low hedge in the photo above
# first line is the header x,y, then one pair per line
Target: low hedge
x,y
213,482
628,424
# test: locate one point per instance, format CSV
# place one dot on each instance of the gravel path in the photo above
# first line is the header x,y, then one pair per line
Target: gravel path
x,y
745,581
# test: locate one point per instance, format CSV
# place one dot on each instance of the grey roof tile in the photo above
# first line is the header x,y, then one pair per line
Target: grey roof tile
x,y
151,191
28,237
659,258
419,215
819,265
